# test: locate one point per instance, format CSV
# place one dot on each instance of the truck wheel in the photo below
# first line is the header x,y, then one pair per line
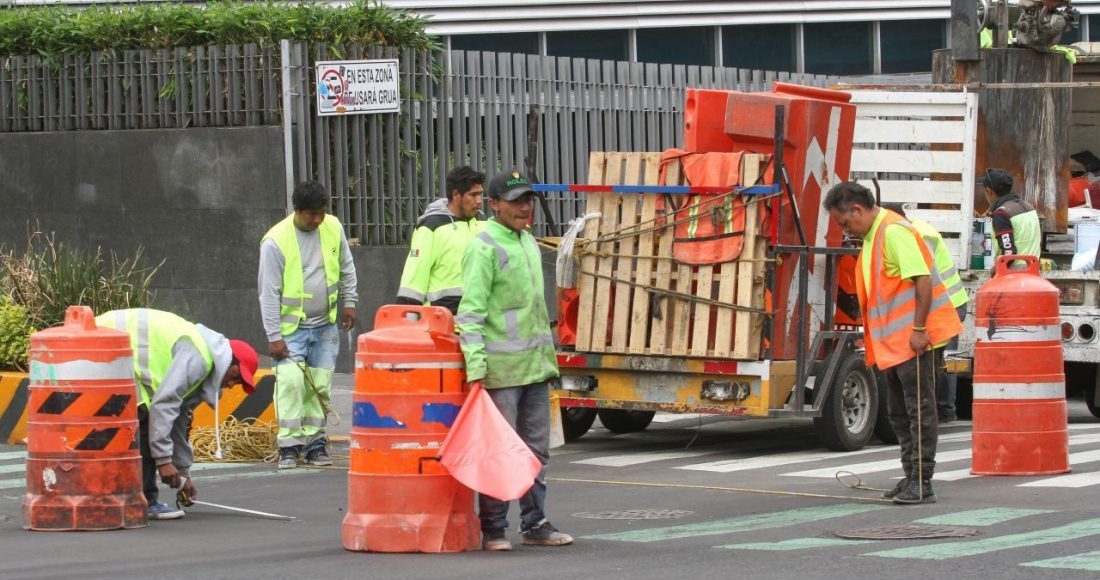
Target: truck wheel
x,y
964,398
884,430
576,421
848,416
623,421
1090,401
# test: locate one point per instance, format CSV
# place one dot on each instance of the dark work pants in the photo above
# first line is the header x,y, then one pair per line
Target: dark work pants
x,y
148,467
946,383
901,383
527,410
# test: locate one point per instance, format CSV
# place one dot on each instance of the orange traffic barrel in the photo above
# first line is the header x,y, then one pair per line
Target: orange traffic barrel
x,y
1019,408
83,462
409,386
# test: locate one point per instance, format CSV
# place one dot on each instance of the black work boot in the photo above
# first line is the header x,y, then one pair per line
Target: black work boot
x,y
904,483
916,493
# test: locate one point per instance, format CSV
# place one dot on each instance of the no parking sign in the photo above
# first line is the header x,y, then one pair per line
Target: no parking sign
x,y
358,86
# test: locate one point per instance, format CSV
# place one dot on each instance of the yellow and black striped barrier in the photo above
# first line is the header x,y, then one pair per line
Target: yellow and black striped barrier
x,y
241,405
13,407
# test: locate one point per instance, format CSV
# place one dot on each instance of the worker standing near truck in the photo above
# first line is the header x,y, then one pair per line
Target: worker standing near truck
x,y
306,273
177,365
433,268
905,315
509,348
946,383
1016,228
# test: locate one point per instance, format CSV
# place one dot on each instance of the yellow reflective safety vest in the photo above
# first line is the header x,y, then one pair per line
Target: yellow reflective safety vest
x,y
292,302
945,266
153,333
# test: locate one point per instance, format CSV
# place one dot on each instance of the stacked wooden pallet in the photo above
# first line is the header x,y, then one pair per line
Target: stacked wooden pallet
x,y
636,299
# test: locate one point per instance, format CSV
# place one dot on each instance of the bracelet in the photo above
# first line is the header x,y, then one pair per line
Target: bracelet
x,y
920,328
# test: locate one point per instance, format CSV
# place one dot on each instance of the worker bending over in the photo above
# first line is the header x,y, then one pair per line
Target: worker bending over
x,y
177,365
905,314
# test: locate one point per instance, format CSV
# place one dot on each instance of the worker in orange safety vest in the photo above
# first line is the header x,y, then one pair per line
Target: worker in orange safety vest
x,y
906,312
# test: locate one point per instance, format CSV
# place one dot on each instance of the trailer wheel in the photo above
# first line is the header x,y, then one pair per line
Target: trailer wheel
x,y
624,421
848,415
884,430
576,421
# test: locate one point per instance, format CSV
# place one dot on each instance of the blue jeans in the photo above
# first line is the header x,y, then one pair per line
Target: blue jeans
x,y
946,383
527,410
317,346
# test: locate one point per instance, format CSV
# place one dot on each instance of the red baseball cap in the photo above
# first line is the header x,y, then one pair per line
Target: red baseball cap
x,y
248,361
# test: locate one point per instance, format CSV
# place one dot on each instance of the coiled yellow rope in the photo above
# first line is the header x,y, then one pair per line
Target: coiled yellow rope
x,y
248,440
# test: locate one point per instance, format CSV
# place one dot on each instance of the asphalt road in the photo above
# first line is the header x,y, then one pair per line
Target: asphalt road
x,y
684,486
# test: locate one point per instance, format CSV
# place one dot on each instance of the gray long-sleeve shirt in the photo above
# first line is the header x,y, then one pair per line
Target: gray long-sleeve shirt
x,y
270,282
169,410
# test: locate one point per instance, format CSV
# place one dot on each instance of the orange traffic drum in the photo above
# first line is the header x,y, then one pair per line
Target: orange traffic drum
x,y
1019,387
83,463
409,386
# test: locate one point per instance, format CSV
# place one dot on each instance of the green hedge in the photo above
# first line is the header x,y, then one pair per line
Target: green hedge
x,y
54,30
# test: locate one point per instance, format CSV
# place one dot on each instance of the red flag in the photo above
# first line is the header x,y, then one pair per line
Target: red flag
x,y
485,454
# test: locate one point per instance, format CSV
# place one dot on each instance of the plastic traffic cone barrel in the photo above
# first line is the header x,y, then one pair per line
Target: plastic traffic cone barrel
x,y
1019,408
409,386
83,463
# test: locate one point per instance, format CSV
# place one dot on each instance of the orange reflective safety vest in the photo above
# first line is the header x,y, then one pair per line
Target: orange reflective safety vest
x,y
889,305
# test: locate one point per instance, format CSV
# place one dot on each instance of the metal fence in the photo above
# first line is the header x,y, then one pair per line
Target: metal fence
x,y
462,108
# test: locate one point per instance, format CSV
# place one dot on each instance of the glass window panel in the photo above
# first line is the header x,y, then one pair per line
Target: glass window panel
x,y
759,46
522,42
838,48
907,45
694,45
600,44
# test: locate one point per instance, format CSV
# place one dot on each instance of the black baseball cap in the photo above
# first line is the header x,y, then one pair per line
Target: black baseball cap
x,y
996,179
509,186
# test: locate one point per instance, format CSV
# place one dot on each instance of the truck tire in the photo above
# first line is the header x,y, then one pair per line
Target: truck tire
x,y
964,398
576,421
884,430
623,421
1090,401
848,416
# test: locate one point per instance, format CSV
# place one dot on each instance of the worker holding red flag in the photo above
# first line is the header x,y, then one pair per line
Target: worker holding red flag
x,y
509,350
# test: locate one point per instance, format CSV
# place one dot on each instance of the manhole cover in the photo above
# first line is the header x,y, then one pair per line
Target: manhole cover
x,y
908,532
634,515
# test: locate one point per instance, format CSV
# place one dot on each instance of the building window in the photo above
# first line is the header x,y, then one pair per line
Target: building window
x,y
599,44
676,45
522,42
1075,34
759,46
907,45
838,48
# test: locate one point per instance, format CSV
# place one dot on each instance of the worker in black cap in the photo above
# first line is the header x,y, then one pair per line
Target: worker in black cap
x,y
1015,222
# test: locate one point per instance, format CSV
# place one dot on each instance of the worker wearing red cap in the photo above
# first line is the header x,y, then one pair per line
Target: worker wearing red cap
x,y
177,365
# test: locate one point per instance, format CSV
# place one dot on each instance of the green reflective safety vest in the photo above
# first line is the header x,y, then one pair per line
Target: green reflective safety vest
x,y
433,269
504,325
1027,235
293,299
153,333
945,266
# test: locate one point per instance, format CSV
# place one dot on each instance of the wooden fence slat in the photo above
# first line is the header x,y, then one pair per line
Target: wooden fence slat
x,y
745,333
626,248
640,316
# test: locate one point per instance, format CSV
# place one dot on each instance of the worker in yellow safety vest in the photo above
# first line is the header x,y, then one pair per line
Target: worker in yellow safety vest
x,y
906,313
306,274
946,383
177,365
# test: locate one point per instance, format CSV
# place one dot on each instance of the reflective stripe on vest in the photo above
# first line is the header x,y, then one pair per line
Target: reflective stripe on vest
x,y
153,333
292,303
890,303
944,264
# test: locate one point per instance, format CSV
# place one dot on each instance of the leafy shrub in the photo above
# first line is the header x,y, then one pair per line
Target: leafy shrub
x,y
15,335
55,30
48,277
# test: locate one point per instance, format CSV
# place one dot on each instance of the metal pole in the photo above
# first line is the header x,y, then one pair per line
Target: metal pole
x,y
803,325
288,143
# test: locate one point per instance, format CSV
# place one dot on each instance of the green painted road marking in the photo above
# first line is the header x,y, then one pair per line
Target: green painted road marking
x,y
795,544
1081,529
1089,561
986,517
741,524
12,455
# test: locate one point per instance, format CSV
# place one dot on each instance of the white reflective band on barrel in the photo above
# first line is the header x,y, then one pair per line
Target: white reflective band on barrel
x,y
1019,391
416,365
1012,333
120,369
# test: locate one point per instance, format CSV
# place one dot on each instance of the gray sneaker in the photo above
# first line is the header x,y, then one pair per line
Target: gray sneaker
x,y
318,457
495,541
916,492
545,534
288,458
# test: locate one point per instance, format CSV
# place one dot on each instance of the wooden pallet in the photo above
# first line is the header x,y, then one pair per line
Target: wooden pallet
x,y
618,314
